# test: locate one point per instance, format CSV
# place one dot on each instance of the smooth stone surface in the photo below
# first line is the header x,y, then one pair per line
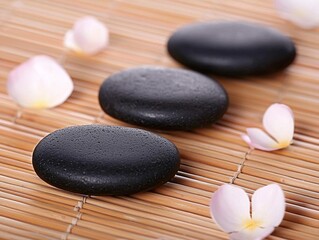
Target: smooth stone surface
x,y
231,48
105,160
164,98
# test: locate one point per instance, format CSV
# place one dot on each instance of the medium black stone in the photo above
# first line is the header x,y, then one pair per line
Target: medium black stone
x,y
105,160
164,98
232,48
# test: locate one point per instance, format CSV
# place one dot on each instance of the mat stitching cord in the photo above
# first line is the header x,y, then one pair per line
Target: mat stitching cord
x,y
77,218
240,167
18,115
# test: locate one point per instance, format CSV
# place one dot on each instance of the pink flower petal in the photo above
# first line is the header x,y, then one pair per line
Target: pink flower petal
x,y
88,36
247,140
40,82
70,43
268,205
260,140
229,207
256,234
279,122
303,13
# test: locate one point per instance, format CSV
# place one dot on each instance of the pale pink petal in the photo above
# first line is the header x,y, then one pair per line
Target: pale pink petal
x,y
70,43
268,205
247,140
303,13
40,82
256,234
278,121
261,140
229,207
88,36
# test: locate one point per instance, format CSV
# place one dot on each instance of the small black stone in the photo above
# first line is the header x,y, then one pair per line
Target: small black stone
x,y
164,98
231,48
105,160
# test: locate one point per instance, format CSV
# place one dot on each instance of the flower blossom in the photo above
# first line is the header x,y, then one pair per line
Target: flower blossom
x,y
278,121
233,213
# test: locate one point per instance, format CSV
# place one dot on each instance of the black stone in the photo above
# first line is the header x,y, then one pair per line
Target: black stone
x,y
164,98
232,48
105,160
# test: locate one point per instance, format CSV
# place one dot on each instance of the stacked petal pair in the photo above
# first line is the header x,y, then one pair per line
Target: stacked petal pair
x,y
278,121
233,213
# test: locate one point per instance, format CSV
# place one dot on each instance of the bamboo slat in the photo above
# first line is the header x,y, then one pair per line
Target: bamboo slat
x,y
211,156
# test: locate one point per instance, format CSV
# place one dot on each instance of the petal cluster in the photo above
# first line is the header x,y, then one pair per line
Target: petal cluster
x,y
233,212
303,13
278,121
40,82
88,36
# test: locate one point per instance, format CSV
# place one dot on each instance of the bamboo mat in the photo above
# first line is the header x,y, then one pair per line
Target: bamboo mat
x,y
31,209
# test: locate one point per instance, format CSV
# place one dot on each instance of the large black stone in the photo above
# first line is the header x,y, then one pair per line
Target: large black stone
x,y
231,48
105,160
164,98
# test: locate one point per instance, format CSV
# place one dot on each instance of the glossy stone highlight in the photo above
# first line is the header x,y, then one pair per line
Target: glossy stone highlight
x,y
105,160
231,48
164,98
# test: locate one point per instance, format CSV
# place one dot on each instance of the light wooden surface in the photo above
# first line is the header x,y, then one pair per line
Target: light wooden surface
x,y
31,209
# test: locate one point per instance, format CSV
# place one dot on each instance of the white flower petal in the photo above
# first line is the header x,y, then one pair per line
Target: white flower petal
x,y
88,36
303,13
229,207
40,82
256,234
70,43
247,140
261,140
268,205
278,121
